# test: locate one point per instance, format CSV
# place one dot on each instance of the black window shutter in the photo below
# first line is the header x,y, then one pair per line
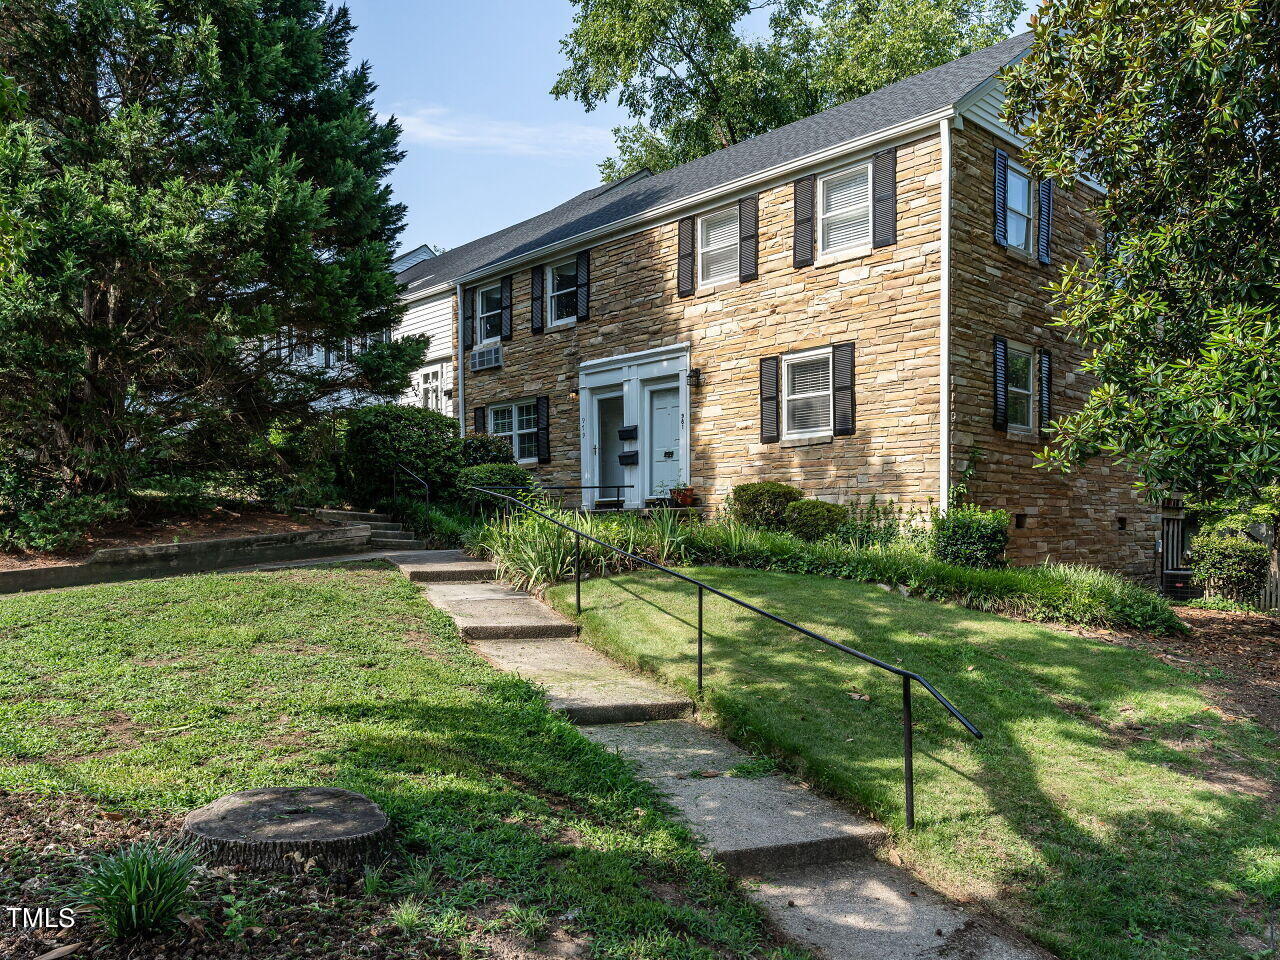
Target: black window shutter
x,y
802,214
842,390
749,238
684,259
506,307
1046,390
478,421
884,198
1045,226
468,319
769,400
1002,198
584,284
544,429
537,299
1000,371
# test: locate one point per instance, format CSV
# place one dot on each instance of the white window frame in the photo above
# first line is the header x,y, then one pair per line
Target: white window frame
x,y
438,370
515,431
551,293
481,339
784,389
1010,349
704,281
1013,169
822,217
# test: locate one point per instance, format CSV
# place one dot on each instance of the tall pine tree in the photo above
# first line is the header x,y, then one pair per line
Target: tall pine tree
x,y
186,181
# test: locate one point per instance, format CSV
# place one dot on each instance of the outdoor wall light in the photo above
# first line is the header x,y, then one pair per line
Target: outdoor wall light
x,y
694,377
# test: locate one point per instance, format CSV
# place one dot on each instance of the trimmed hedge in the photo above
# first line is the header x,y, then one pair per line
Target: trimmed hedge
x,y
482,448
763,504
970,536
490,475
531,552
382,436
814,519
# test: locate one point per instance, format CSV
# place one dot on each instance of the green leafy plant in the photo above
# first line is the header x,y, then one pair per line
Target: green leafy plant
x,y
410,915
59,524
970,536
875,523
814,519
763,504
1230,565
481,448
531,923
490,475
138,890
380,438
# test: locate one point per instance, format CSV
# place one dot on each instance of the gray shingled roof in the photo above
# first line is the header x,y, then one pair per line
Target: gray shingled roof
x,y
600,206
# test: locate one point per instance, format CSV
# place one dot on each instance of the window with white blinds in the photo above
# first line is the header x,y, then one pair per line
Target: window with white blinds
x,y
718,246
806,393
1018,209
844,209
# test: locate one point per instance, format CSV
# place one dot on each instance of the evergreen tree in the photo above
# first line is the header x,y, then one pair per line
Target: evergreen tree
x,y
187,181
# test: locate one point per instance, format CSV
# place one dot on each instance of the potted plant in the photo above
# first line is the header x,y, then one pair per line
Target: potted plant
x,y
682,496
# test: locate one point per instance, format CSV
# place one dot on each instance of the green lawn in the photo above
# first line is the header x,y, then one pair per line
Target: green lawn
x,y
1101,814
163,695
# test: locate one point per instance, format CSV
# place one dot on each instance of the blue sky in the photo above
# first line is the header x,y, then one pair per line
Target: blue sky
x,y
486,144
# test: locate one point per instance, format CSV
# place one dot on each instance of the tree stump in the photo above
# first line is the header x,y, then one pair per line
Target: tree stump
x,y
288,828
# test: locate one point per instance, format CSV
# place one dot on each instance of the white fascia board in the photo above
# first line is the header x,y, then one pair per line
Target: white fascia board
x,y
698,202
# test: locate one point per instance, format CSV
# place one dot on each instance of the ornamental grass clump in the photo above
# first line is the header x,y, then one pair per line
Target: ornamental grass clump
x,y
138,890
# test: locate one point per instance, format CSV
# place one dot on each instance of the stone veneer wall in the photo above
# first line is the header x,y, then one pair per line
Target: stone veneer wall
x,y
886,301
1073,518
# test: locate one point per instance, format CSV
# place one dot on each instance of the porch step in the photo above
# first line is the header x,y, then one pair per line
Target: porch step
x,y
349,515
494,611
753,826
446,566
584,685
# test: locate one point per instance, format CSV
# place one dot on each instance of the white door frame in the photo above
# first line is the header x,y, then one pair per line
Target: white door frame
x,y
635,374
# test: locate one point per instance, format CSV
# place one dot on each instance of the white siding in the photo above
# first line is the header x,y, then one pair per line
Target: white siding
x,y
433,317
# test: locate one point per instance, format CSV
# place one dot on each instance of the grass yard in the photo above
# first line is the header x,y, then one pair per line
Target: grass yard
x,y
123,706
1112,812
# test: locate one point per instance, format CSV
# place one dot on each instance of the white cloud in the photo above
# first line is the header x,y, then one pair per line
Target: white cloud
x,y
441,127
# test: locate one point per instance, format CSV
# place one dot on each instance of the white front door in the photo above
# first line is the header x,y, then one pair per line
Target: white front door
x,y
663,439
634,416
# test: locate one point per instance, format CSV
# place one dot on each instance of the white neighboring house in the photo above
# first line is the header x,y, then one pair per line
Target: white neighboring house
x,y
431,386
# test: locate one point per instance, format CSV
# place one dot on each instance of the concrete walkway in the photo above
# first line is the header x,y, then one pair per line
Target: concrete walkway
x,y
811,864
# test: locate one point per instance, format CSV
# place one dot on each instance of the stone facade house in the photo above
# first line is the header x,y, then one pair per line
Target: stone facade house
x,y
853,303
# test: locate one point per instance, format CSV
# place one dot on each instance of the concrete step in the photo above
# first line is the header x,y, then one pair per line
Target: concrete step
x,y
384,525
347,515
753,826
388,532
584,684
870,910
446,566
382,543
494,611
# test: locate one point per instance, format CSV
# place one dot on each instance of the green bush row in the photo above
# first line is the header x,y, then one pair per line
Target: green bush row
x,y
1230,566
532,552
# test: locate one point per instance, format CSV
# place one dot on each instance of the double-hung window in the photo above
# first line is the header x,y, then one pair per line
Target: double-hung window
x,y
489,313
844,209
1020,392
517,423
806,393
718,246
1018,211
562,292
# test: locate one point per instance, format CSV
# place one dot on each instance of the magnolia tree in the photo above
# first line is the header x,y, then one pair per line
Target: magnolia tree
x,y
185,182
1172,108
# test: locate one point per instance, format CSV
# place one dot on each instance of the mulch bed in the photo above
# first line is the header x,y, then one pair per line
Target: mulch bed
x,y
46,841
217,524
1239,652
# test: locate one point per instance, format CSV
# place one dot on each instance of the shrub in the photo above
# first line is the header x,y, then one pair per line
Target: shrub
x,y
379,438
490,475
59,524
763,504
871,523
482,448
442,527
969,536
1230,565
137,890
814,519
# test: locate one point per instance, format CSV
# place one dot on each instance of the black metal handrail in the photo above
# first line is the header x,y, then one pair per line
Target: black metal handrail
x,y
426,487
906,675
